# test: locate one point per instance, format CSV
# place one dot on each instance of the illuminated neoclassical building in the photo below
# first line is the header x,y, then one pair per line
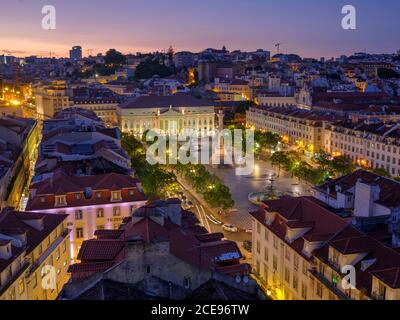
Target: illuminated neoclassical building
x,y
168,114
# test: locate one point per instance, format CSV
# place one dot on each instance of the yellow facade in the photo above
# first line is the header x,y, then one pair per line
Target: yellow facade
x,y
44,271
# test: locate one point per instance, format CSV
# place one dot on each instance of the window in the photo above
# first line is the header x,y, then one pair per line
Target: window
x,y
64,246
42,199
319,290
60,201
100,227
187,283
79,233
275,242
296,262
382,291
287,275
77,196
131,192
58,254
21,287
78,215
40,249
258,228
266,254
100,213
258,246
98,195
287,253
148,269
304,291
266,234
295,282
304,268
116,211
116,195
275,262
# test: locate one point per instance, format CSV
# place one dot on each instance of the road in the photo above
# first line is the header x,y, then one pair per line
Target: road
x,y
242,186
203,213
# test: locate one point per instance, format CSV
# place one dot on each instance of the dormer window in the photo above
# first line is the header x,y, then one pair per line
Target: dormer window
x,y
116,196
60,201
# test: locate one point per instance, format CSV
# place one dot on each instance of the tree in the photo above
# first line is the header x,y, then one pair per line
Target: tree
x,y
279,159
385,73
381,171
170,54
243,106
114,58
323,159
342,165
149,68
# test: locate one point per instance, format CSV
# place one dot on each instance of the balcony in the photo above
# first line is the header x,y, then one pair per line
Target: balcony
x,y
328,284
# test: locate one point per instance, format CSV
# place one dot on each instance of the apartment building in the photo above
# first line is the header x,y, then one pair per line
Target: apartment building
x,y
369,143
102,101
297,127
51,99
18,151
286,233
91,202
303,250
274,100
82,171
34,255
232,90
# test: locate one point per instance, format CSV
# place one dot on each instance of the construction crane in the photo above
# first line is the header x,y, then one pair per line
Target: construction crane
x,y
278,46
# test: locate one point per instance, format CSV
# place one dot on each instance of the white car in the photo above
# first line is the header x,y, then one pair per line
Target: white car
x,y
230,228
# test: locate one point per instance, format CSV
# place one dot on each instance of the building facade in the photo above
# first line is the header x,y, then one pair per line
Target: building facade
x,y
34,255
51,99
369,143
166,114
297,127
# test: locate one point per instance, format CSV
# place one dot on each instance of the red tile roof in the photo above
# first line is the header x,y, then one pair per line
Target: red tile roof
x,y
389,189
207,251
13,222
296,212
62,184
98,250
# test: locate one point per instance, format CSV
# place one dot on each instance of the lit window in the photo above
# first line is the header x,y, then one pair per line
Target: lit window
x,y
79,233
100,213
78,215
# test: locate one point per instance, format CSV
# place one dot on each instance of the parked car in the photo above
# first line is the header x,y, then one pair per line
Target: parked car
x,y
247,244
230,228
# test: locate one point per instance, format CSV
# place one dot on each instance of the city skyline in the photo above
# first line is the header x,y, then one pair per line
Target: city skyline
x,y
194,26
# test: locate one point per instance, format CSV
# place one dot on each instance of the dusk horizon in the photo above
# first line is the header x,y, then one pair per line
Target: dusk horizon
x,y
311,29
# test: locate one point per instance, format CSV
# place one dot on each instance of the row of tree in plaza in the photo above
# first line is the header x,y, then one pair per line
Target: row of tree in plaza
x,y
262,140
214,192
325,165
158,181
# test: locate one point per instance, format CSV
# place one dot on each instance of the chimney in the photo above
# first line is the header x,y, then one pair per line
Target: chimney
x,y
365,197
174,211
